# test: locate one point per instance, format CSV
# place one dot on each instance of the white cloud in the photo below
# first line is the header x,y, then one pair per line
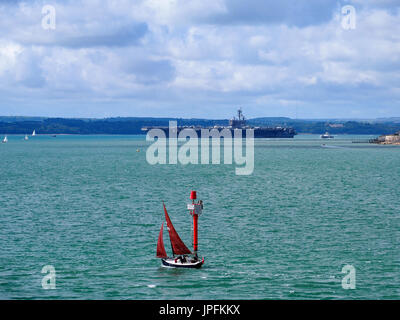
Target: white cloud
x,y
177,53
8,56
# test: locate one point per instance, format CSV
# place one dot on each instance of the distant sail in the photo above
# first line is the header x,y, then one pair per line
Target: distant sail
x,y
33,133
5,139
161,253
178,247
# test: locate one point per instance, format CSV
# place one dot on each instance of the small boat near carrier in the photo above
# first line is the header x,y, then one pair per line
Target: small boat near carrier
x,y
5,140
182,257
33,133
326,135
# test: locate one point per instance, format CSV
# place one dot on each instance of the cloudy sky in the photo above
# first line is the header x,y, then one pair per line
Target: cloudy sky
x,y
200,58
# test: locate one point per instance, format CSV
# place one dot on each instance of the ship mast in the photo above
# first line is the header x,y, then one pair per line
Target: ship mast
x,y
240,114
241,119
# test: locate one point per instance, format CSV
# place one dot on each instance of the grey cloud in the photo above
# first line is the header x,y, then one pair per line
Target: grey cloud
x,y
104,36
151,72
123,36
390,5
293,13
28,71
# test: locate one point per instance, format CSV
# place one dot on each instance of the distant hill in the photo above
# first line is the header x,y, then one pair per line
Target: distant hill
x,y
393,119
270,120
18,118
133,125
93,126
334,126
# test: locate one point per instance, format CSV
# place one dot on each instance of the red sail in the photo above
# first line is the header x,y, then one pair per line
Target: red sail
x,y
161,253
178,247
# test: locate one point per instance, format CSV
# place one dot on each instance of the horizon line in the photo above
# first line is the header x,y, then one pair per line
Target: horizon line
x,y
171,117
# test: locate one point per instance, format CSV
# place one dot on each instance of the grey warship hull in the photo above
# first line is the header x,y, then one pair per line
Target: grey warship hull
x,y
234,124
267,132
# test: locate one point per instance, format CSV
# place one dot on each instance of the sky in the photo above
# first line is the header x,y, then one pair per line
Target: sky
x,y
200,58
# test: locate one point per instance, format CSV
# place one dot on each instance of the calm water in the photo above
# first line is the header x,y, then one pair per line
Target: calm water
x,y
91,207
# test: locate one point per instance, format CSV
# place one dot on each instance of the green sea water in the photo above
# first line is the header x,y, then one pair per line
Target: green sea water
x,y
91,206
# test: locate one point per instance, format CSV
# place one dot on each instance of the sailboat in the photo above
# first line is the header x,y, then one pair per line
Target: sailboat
x,y
182,257
26,137
33,133
5,140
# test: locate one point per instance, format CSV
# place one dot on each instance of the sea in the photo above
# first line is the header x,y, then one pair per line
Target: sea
x,y
317,219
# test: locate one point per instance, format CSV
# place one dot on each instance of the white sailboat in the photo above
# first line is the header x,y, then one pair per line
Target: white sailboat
x,y
5,140
33,133
26,137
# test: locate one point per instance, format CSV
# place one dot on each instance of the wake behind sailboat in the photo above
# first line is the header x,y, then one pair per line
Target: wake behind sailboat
x,y
182,256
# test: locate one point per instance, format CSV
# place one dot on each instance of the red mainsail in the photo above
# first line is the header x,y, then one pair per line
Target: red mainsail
x,y
161,253
178,247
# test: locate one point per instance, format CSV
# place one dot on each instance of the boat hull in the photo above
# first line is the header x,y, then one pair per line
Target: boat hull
x,y
175,263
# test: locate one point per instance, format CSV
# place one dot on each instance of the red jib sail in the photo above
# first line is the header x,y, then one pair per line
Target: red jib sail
x,y
161,253
178,247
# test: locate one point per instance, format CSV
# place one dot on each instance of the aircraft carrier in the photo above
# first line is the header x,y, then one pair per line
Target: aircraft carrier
x,y
237,123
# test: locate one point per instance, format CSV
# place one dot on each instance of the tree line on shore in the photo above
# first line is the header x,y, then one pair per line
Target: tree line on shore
x,y
23,125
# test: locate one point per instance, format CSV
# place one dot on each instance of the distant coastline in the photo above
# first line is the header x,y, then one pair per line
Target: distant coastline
x,y
134,125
